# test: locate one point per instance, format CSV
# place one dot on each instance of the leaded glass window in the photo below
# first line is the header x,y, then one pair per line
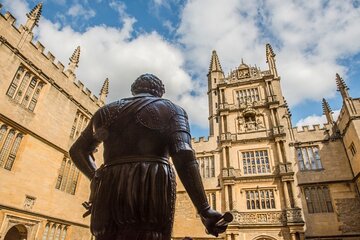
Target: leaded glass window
x,y
212,199
15,82
25,88
255,162
68,177
79,124
248,95
309,158
207,166
318,199
260,199
10,141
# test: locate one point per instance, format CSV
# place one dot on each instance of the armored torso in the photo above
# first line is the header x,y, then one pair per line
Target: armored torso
x,y
143,129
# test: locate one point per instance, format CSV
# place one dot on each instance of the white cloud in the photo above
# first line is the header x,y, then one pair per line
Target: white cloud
x,y
18,8
308,39
109,52
79,11
315,119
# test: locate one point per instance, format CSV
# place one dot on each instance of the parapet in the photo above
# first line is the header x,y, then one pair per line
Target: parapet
x,y
8,21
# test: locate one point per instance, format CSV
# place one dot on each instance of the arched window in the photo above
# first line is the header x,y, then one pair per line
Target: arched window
x,y
13,152
61,172
46,231
79,124
15,82
35,96
4,152
9,145
3,130
52,232
63,234
68,177
57,233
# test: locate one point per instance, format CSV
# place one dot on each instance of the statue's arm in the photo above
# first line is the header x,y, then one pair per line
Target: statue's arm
x,y
81,152
187,168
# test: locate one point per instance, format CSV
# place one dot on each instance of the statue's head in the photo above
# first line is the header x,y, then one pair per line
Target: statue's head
x,y
148,83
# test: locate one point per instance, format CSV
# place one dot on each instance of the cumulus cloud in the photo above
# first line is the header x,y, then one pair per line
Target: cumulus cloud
x,y
80,11
308,38
315,119
110,52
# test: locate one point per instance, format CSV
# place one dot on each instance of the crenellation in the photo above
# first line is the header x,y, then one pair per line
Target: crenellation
x,y
39,46
10,18
50,56
60,66
86,91
200,139
315,127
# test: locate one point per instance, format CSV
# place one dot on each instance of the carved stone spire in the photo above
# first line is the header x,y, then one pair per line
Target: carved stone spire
x,y
33,17
270,59
215,65
327,111
74,60
104,90
342,87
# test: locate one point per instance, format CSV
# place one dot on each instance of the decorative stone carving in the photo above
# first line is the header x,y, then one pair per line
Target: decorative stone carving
x,y
294,215
29,202
259,218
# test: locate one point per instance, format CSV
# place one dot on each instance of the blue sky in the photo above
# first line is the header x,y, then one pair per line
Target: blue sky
x,y
313,40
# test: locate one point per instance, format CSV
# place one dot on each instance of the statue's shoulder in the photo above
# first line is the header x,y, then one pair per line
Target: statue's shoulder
x,y
158,114
109,111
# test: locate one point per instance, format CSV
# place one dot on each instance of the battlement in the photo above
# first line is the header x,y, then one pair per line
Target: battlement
x,y
200,139
312,128
20,33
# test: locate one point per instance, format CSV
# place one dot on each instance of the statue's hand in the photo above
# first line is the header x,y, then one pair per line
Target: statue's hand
x,y
213,222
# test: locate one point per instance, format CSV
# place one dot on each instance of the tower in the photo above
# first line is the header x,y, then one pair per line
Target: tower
x,y
216,96
246,163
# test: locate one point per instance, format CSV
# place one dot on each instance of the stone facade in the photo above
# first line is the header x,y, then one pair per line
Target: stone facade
x,y
272,177
308,175
43,108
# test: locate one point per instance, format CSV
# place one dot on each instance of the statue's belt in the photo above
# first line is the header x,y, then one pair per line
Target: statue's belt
x,y
131,159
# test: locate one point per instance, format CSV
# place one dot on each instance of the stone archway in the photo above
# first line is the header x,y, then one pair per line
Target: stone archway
x,y
17,232
264,238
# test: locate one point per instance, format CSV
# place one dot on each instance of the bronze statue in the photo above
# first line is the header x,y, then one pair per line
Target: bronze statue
x,y
133,192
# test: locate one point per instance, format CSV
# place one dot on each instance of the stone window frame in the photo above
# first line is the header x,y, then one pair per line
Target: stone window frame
x,y
318,199
81,120
10,141
55,231
25,88
211,196
68,177
206,166
242,95
312,162
352,149
260,198
264,165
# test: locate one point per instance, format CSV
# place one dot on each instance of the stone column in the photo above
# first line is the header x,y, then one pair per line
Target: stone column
x,y
286,193
281,160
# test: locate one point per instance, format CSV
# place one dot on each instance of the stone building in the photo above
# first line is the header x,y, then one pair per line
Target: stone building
x,y
43,108
274,178
279,182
